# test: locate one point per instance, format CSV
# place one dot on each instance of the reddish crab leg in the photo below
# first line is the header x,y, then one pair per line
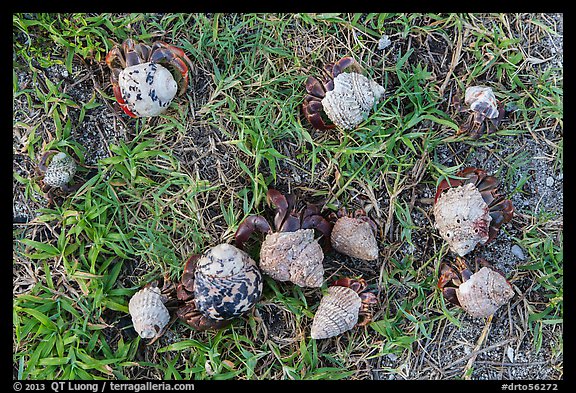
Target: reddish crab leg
x,y
315,87
248,227
341,65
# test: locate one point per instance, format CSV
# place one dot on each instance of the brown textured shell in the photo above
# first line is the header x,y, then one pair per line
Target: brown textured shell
x,y
60,170
351,99
354,237
293,256
482,100
462,218
147,88
484,293
337,312
149,315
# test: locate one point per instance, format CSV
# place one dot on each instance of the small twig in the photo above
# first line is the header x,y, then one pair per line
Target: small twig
x,y
453,64
470,363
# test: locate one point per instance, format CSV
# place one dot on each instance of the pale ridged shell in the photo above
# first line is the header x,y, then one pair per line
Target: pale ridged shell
x,y
147,88
482,100
227,282
60,170
293,256
484,293
349,103
462,218
149,315
337,312
354,237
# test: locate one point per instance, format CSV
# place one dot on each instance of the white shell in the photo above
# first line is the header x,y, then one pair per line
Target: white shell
x,y
354,237
349,103
337,312
484,293
227,282
293,256
60,170
482,99
462,218
147,88
149,315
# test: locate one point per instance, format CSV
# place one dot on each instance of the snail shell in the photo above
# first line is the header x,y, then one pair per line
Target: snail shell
x,y
482,100
60,170
484,293
349,103
147,88
337,312
354,237
149,315
293,256
227,282
462,218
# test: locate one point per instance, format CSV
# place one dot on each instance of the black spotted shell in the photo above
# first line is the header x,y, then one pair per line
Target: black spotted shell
x,y
147,88
351,99
60,170
227,282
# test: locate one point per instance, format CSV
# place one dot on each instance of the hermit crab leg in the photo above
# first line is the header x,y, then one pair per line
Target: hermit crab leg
x,y
248,227
283,205
316,221
184,289
42,165
315,87
176,57
338,67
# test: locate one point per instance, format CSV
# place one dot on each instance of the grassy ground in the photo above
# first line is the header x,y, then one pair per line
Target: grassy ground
x,y
157,190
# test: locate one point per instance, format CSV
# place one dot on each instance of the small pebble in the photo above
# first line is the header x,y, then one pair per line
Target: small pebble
x,y
384,42
510,353
517,251
549,181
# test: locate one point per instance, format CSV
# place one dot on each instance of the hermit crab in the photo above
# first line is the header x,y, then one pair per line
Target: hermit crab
x,y
142,85
58,170
291,253
354,234
485,111
345,305
480,294
469,211
149,314
344,97
218,286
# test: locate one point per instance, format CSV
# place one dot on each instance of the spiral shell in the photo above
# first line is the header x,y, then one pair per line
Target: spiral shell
x,y
484,293
482,100
227,282
354,237
351,99
149,315
60,170
337,312
462,218
293,256
147,88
